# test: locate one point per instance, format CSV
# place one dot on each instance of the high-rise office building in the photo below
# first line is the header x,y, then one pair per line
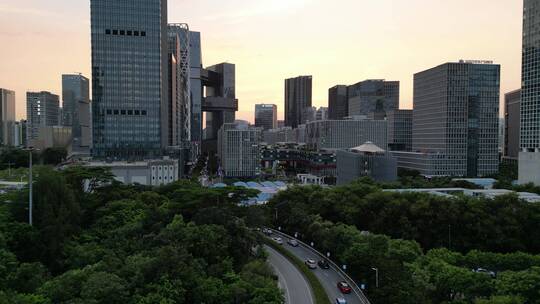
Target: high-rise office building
x,y
129,78
456,120
511,125
238,150
529,158
345,134
7,116
321,114
298,94
309,114
220,103
338,102
373,96
400,130
19,133
41,111
266,116
76,109
196,86
179,85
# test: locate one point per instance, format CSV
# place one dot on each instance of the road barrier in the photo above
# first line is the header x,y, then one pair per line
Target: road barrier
x,y
357,290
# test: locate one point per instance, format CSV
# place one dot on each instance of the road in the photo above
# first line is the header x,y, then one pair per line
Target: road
x,y
295,287
328,277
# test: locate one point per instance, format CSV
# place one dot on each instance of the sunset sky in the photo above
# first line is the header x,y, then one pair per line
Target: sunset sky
x,y
338,42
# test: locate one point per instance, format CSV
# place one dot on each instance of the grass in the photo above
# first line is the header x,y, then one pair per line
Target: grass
x,y
318,290
16,175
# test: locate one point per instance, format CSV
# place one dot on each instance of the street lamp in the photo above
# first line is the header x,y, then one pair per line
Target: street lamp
x,y
30,186
376,276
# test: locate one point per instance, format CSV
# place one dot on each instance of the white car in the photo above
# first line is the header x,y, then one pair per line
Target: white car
x,y
278,240
311,263
341,301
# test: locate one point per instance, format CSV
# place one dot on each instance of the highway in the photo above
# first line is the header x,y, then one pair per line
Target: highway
x,y
328,277
295,287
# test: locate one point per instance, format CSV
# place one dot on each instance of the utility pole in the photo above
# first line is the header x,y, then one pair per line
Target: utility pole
x,y
30,199
376,276
30,187
9,168
449,237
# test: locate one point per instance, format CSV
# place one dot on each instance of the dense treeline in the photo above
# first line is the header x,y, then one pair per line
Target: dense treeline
x,y
18,158
96,241
352,222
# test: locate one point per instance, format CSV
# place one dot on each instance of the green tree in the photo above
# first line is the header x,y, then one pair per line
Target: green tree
x,y
57,214
53,156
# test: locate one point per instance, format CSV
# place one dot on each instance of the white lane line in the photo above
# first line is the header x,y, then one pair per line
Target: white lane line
x,y
283,286
308,290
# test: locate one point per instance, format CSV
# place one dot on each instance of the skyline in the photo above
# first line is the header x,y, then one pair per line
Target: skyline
x,y
45,40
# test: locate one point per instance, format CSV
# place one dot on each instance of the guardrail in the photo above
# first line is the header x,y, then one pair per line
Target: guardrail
x,y
357,290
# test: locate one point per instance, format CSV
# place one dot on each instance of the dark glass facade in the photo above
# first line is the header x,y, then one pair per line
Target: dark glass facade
x,y
266,116
76,108
456,115
129,78
338,102
530,94
298,94
373,96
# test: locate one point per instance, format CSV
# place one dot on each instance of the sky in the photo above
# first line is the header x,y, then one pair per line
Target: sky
x,y
337,42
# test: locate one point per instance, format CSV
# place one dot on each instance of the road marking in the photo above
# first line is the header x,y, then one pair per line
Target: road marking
x,y
284,287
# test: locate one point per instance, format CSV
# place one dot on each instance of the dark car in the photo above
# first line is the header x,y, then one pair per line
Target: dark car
x,y
324,264
344,287
293,242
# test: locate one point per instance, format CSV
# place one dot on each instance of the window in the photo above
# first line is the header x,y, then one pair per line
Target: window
x,y
122,32
143,33
115,32
130,112
107,32
123,112
143,112
137,112
115,112
109,112
129,33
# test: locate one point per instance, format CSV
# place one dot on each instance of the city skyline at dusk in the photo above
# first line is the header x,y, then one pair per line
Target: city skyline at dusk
x,y
270,41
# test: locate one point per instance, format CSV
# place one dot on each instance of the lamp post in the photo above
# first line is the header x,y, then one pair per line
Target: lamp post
x,y
376,276
30,186
9,164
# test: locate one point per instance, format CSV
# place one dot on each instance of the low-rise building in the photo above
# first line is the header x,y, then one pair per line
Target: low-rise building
x,y
486,193
365,160
148,173
292,156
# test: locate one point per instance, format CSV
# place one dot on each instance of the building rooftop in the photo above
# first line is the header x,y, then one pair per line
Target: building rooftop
x,y
368,147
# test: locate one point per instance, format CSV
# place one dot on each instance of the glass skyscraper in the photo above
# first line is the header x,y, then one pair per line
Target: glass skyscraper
x,y
298,93
76,108
129,78
529,158
196,88
7,115
530,93
456,115
266,116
